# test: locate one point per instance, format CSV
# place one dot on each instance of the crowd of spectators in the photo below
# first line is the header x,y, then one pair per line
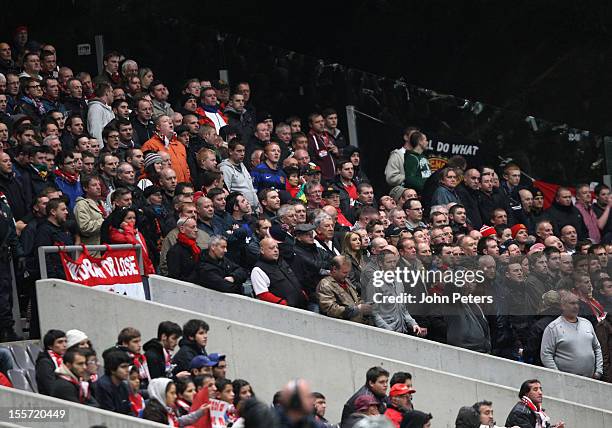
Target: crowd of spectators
x,y
179,388
220,193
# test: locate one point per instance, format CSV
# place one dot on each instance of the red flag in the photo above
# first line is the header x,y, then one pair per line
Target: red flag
x,y
201,398
549,190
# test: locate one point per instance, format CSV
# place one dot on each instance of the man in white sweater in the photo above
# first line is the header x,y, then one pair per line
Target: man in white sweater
x,y
569,343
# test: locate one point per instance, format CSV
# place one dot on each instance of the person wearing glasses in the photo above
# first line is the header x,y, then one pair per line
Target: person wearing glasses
x,y
67,178
30,102
414,214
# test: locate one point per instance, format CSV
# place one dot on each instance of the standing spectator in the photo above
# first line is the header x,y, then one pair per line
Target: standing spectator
x,y
51,96
30,103
331,126
67,178
569,343
110,75
268,174
604,335
321,146
209,112
584,204
414,214
165,140
75,101
235,174
445,193
99,113
12,188
111,390
601,207
377,380
144,127
563,212
273,280
89,211
338,297
416,166
159,94
52,233
394,170
310,264
49,359
528,412
122,230
237,115
193,343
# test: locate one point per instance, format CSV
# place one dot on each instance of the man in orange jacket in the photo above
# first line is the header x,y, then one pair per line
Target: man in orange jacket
x,y
165,140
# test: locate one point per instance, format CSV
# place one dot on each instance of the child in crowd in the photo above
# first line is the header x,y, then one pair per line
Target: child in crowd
x,y
137,403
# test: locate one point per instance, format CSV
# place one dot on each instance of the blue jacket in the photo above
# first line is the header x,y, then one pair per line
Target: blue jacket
x,y
265,177
72,191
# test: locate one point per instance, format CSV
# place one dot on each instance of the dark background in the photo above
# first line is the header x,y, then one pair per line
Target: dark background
x,y
541,58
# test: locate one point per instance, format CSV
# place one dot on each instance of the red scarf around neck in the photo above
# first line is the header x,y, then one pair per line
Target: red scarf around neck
x,y
57,358
70,178
191,244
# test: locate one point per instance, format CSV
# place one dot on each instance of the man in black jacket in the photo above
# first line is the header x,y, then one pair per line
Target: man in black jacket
x,y
375,386
49,359
112,391
67,383
219,273
273,280
12,188
310,264
528,412
193,343
159,349
563,212
51,233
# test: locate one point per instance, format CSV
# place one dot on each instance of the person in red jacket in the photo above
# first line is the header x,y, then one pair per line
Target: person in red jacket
x,y
400,399
122,230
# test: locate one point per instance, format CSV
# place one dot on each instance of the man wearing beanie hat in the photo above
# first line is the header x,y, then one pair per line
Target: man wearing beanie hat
x,y
77,339
550,309
397,192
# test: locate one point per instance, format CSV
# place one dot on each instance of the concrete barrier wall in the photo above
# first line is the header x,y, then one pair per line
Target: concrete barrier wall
x,y
77,415
379,342
268,358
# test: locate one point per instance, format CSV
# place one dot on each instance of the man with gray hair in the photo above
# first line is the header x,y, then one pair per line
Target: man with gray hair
x,y
324,228
129,68
219,273
569,343
126,177
287,217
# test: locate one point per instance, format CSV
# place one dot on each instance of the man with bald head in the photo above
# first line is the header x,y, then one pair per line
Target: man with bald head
x,y
563,212
553,241
168,182
273,279
569,238
525,215
543,230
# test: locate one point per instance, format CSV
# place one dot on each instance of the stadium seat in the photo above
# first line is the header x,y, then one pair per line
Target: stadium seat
x,y
21,357
19,380
34,349
11,354
31,374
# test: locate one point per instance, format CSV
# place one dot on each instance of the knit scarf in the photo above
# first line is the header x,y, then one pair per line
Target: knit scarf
x,y
543,420
140,361
137,404
69,178
191,244
36,103
57,358
66,374
183,405
596,307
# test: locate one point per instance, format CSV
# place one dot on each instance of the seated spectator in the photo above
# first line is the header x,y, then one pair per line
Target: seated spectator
x,y
270,202
111,390
217,272
137,403
161,406
375,387
324,229
400,403
273,280
50,359
130,341
219,368
67,384
158,350
201,365
184,256
193,343
338,297
185,393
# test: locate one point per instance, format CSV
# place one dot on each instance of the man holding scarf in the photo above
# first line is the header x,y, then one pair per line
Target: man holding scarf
x,y
528,413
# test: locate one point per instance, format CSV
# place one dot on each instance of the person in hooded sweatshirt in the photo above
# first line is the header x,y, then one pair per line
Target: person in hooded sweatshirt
x,y
100,113
161,406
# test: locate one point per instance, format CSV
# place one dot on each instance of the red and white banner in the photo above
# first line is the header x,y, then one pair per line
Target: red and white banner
x,y
116,271
221,413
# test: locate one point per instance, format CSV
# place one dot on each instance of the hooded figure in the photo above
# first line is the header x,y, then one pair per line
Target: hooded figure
x,y
159,411
467,417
